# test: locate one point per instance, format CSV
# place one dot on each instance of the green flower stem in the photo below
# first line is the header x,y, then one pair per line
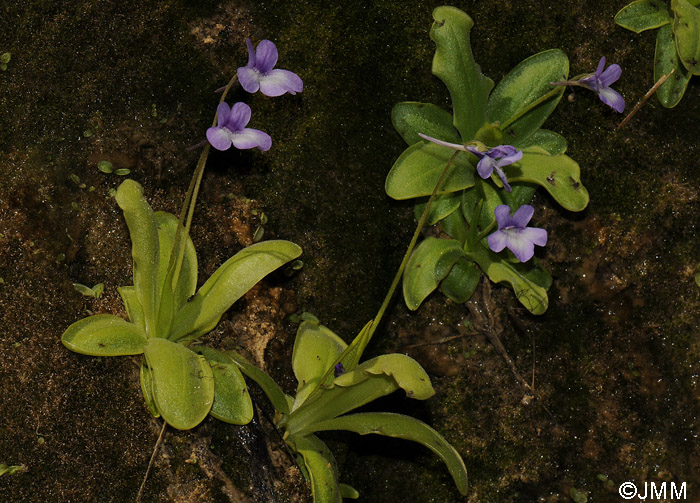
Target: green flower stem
x,y
543,98
486,232
411,246
374,323
191,199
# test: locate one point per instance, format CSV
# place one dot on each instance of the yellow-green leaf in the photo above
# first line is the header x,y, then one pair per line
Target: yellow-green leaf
x,y
559,174
417,170
231,398
643,15
183,383
407,428
454,64
686,30
665,60
104,335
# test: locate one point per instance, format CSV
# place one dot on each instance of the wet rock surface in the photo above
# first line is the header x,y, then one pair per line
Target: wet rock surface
x,y
616,358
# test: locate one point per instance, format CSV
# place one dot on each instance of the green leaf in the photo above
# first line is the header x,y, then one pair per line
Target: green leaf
x,y
320,467
348,358
552,142
455,226
94,292
11,470
98,290
407,428
498,269
429,263
104,335
417,170
643,15
559,174
316,348
521,87
411,117
229,283
274,393
442,206
460,283
665,60
173,297
454,64
144,248
370,380
407,373
146,380
183,383
231,398
686,30
348,492
187,283
133,307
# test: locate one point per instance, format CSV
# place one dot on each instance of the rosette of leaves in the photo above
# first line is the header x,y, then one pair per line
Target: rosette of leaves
x,y
332,383
677,41
512,113
166,313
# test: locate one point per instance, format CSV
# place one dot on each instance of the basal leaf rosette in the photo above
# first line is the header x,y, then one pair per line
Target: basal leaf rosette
x,y
495,154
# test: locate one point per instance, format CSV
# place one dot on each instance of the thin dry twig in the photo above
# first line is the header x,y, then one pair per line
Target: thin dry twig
x,y
651,91
150,463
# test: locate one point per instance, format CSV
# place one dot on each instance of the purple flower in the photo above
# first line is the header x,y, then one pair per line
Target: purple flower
x,y
232,130
259,73
513,234
338,370
494,159
600,83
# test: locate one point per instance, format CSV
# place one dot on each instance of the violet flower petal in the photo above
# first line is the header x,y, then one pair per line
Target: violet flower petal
x,y
513,234
510,158
601,66
265,56
249,79
610,75
219,138
503,151
485,167
251,138
612,98
497,241
503,178
600,83
522,248
251,52
502,214
223,112
239,118
534,234
277,82
258,74
522,216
